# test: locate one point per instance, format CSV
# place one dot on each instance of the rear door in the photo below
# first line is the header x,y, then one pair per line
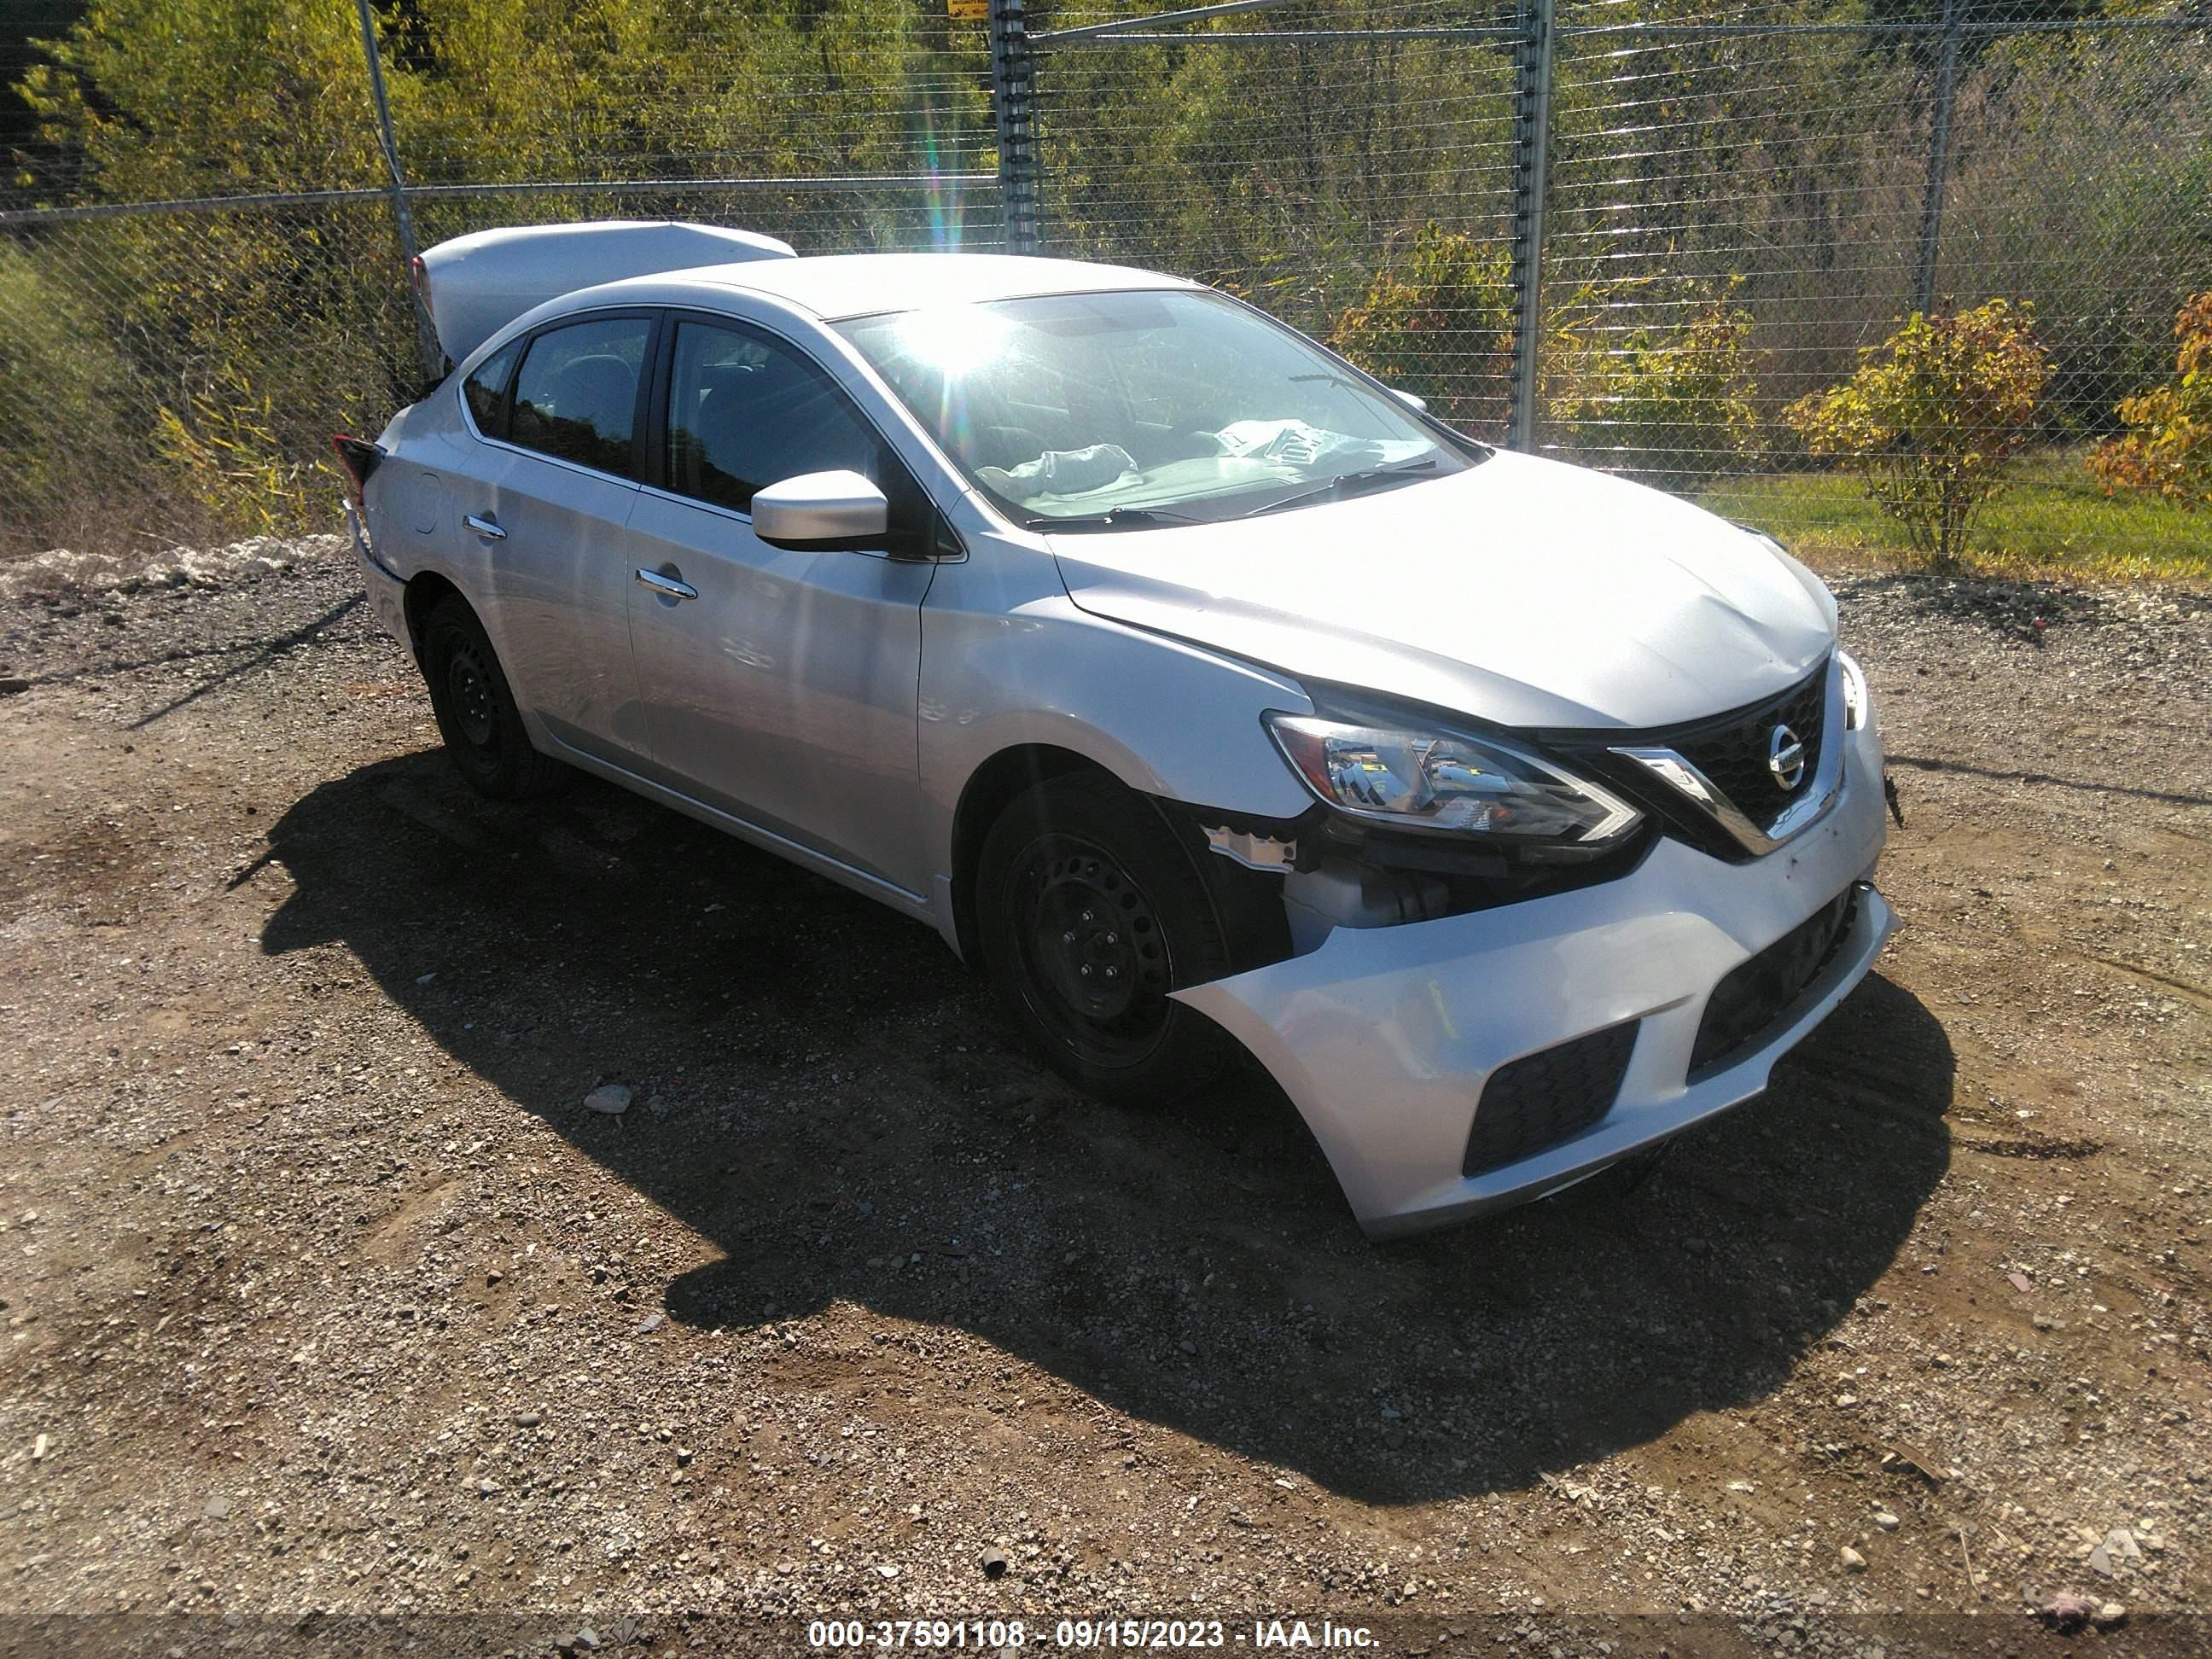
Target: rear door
x,y
783,690
550,508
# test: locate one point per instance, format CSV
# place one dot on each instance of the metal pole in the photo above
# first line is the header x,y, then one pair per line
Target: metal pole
x,y
1013,108
426,332
1939,158
1532,147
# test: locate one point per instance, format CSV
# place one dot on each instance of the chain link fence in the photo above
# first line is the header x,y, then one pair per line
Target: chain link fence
x,y
1677,241
202,262
1685,242
1291,161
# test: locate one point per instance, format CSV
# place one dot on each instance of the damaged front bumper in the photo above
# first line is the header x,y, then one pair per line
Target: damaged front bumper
x,y
1385,1039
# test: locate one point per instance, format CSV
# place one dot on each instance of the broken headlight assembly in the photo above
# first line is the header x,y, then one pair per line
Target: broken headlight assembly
x,y
1481,790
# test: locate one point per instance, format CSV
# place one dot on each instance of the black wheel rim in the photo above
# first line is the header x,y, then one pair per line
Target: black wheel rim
x,y
469,695
1096,967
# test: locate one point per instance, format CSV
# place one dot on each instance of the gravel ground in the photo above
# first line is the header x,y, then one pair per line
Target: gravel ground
x,y
325,1293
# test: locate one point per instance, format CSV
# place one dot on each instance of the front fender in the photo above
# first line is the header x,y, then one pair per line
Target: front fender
x,y
1009,661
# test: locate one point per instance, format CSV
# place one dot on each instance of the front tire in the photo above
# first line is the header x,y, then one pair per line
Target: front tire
x,y
1088,912
477,713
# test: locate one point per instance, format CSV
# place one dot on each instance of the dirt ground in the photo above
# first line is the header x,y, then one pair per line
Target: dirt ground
x,y
323,1294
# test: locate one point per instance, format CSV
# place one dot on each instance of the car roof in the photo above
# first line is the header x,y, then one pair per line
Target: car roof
x,y
842,285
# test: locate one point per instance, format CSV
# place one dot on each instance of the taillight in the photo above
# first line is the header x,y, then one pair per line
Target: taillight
x,y
419,274
360,459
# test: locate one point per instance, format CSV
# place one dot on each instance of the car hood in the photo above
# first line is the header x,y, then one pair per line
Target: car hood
x,y
1520,591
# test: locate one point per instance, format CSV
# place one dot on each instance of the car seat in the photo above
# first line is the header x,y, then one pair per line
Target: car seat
x,y
600,392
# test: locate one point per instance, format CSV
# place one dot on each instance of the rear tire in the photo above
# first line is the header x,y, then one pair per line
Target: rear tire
x,y
1088,911
477,713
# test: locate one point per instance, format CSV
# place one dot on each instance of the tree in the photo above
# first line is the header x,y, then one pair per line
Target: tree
x,y
157,98
1441,325
56,358
242,337
1670,405
1924,20
1932,417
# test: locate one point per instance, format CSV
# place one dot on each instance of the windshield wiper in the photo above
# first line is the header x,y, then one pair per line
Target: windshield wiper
x,y
1348,484
1120,518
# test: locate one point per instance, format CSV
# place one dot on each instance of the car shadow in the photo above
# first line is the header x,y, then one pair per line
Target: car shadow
x,y
823,1091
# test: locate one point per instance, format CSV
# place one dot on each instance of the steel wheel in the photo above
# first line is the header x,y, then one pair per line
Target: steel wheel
x,y
1093,949
1089,911
476,709
476,714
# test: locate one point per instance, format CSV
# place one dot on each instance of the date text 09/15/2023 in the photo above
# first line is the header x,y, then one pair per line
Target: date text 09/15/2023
x,y
1004,1636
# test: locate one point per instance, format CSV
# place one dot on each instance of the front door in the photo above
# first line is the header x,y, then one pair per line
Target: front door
x,y
780,686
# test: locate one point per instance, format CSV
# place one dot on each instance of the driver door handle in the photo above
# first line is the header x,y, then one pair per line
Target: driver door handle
x,y
668,587
487,528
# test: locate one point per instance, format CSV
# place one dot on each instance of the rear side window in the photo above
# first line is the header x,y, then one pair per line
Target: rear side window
x,y
744,412
576,395
486,390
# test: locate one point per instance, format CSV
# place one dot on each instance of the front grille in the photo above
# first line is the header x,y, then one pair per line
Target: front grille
x,y
1541,1099
1760,995
1730,749
1734,757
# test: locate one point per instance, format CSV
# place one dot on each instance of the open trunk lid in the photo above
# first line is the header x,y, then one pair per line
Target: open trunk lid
x,y
475,284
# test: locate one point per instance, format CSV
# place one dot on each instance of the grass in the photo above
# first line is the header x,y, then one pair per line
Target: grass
x,y
2054,520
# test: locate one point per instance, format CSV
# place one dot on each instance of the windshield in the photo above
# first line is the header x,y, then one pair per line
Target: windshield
x,y
1101,410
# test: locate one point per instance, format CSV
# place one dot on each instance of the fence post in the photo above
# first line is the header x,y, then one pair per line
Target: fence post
x,y
1532,155
426,332
1013,108
1939,157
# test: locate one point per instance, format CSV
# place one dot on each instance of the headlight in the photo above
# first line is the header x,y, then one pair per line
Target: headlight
x,y
1858,702
1447,784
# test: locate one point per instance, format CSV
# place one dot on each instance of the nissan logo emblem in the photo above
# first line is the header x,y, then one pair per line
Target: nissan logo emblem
x,y
1785,758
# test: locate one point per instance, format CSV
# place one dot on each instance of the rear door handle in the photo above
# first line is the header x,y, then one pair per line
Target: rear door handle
x,y
487,528
668,587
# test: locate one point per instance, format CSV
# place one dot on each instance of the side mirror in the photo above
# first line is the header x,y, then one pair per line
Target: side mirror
x,y
1418,404
822,513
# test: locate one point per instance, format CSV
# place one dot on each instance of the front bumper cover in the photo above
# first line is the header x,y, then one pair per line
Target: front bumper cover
x,y
1383,1037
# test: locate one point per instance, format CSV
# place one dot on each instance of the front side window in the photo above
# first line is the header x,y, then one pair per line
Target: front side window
x,y
576,395
486,390
1094,410
745,411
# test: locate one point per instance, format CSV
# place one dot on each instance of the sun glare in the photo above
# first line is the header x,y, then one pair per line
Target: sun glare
x,y
954,339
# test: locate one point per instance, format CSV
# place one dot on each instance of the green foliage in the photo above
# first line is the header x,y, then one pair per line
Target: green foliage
x,y
2053,519
1281,170
2167,448
514,89
56,359
1277,171
236,341
228,450
2092,194
161,99
1924,43
1672,406
293,315
1932,417
1440,324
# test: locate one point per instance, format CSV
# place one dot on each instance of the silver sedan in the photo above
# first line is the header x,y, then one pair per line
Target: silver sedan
x,y
1207,693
